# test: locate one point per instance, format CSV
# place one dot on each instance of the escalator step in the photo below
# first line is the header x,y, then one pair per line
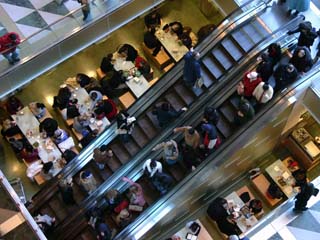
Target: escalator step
x,y
121,154
153,119
222,58
58,207
212,67
176,171
132,147
208,78
78,194
228,111
235,100
232,47
149,191
224,127
176,102
147,127
139,136
243,40
185,93
252,32
93,168
264,32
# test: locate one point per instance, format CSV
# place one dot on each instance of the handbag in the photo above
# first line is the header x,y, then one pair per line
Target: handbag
x,y
199,83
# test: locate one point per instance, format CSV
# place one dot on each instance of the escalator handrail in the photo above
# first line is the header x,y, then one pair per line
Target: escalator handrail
x,y
87,203
109,134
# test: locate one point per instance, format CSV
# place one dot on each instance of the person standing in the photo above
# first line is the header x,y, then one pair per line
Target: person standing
x,y
307,34
191,69
8,47
85,8
307,190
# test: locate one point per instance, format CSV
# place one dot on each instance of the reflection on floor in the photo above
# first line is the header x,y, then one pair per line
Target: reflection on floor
x,y
291,225
43,88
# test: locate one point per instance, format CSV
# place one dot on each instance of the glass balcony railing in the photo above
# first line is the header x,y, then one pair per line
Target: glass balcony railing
x,y
61,29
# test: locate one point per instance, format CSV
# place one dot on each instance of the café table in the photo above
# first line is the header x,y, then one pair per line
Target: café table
x,y
170,42
29,126
138,85
244,223
282,176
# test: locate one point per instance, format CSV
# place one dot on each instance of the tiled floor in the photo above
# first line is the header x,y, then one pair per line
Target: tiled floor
x,y
43,88
290,225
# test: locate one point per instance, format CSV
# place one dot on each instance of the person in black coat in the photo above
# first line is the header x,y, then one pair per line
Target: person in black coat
x,y
106,64
49,125
211,115
302,59
307,34
307,190
284,74
217,211
166,113
205,31
175,27
151,41
265,67
83,79
128,52
152,20
274,53
62,99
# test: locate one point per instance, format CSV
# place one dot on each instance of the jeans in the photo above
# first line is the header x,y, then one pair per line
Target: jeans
x,y
12,56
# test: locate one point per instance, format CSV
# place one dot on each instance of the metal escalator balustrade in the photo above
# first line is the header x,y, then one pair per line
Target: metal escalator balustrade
x,y
209,188
157,208
146,101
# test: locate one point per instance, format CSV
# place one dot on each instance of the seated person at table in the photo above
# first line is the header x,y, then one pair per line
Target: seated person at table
x,y
188,38
152,20
128,52
13,105
255,206
81,123
217,211
151,41
29,154
18,144
47,170
108,107
68,155
62,99
83,80
95,97
72,109
49,125
60,135
38,109
114,85
143,66
205,31
106,63
9,128
175,27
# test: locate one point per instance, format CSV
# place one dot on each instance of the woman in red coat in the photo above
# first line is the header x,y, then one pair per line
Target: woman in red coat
x,y
8,47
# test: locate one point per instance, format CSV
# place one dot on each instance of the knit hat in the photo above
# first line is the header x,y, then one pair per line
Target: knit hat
x,y
252,75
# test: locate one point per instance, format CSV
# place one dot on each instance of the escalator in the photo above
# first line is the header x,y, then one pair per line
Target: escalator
x,y
190,200
145,134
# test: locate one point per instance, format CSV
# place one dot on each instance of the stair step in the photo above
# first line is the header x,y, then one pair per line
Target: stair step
x,y
224,127
227,110
243,40
121,154
149,191
153,119
145,124
208,78
139,136
233,48
235,101
58,207
132,147
257,25
78,194
213,67
176,171
176,102
222,57
252,32
184,93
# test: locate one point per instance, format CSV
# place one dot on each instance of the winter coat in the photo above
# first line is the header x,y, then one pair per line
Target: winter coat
x,y
191,69
7,45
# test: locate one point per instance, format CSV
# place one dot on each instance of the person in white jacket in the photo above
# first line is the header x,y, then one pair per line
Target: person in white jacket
x,y
263,92
151,167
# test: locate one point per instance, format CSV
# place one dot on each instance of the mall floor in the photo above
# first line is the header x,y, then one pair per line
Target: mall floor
x,y
43,88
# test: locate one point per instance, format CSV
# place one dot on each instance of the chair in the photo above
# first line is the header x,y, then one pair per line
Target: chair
x,y
126,100
161,60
